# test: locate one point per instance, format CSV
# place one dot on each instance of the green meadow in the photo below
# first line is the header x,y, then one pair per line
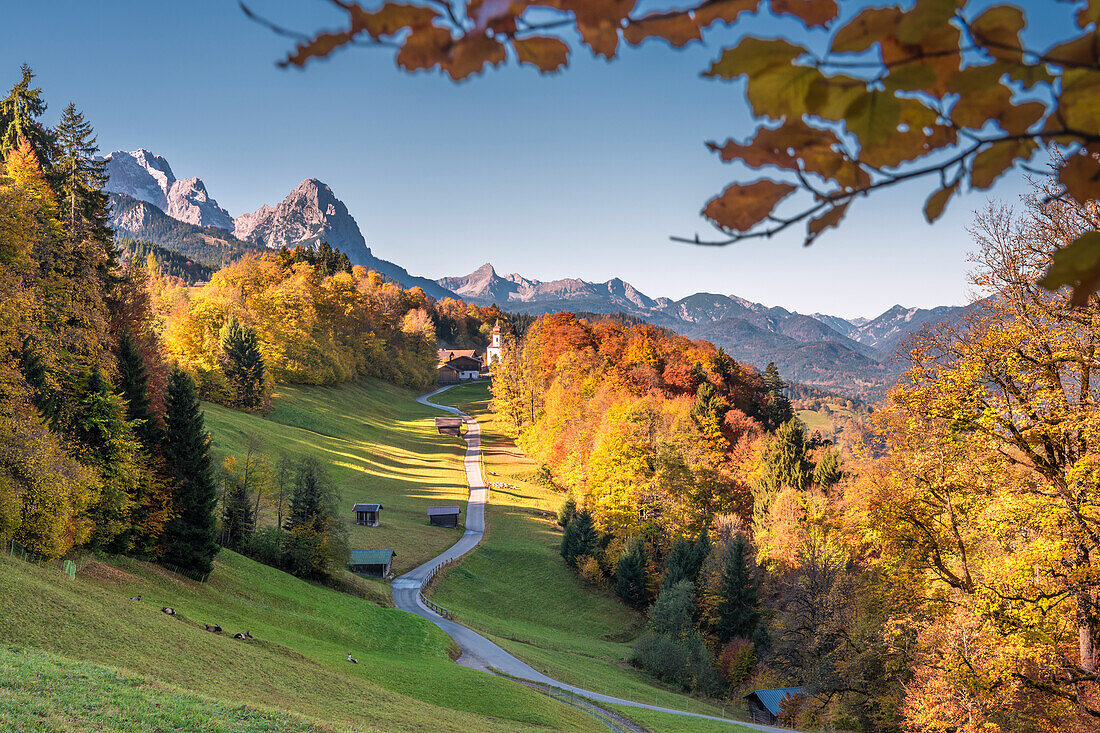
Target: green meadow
x,y
405,678
380,446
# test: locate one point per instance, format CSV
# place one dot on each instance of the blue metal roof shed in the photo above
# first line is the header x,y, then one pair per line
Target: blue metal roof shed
x,y
765,705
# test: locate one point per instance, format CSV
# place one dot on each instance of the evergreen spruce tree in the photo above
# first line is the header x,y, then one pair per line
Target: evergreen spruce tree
x,y
237,517
685,560
631,579
19,113
778,409
309,502
736,612
828,472
191,536
580,538
244,366
133,383
567,511
82,176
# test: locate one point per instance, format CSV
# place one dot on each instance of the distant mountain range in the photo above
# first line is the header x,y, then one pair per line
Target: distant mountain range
x,y
853,356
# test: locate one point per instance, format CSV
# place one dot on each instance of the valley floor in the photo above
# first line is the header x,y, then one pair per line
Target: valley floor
x,y
515,589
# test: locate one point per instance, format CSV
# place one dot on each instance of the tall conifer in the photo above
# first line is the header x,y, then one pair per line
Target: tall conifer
x,y
631,581
244,366
191,535
19,113
133,383
736,613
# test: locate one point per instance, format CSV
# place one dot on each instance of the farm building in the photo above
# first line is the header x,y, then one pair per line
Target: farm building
x,y
449,425
765,706
446,374
367,514
443,516
465,362
375,563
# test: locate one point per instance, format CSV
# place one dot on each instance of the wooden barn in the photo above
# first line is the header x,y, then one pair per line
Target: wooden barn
x,y
466,363
449,425
765,706
446,374
443,516
367,514
375,563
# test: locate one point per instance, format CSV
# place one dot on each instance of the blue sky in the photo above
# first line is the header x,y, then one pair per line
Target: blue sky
x,y
581,174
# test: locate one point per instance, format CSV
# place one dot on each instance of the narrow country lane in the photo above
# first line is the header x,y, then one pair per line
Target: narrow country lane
x,y
477,651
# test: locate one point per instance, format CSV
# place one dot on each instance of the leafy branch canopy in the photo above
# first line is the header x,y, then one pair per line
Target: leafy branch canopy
x,y
937,90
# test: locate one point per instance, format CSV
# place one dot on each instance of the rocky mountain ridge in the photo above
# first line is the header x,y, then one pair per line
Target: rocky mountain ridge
x,y
149,203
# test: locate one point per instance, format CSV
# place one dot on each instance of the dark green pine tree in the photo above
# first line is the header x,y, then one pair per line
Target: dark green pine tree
x,y
244,367
736,613
133,383
82,176
308,503
191,536
778,408
828,472
237,518
19,113
631,579
685,560
567,511
580,538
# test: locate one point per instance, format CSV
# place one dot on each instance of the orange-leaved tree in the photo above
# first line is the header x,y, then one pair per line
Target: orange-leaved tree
x,y
945,90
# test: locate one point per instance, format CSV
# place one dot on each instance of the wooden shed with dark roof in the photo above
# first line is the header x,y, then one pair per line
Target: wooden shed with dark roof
x,y
367,514
766,706
443,516
449,425
375,563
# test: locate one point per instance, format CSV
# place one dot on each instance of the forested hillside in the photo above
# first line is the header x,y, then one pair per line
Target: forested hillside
x,y
938,575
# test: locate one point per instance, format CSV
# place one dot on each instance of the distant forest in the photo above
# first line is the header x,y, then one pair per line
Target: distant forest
x,y
209,245
170,263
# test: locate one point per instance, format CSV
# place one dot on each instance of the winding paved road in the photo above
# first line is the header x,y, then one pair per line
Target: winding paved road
x,y
477,651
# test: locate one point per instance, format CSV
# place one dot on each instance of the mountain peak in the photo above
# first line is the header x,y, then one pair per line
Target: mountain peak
x,y
308,214
147,177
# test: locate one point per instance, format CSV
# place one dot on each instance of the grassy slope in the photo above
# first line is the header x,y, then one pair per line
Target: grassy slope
x,y
46,692
380,446
516,589
405,679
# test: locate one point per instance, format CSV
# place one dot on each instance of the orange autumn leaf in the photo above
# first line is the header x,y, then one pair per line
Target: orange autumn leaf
x,y
742,206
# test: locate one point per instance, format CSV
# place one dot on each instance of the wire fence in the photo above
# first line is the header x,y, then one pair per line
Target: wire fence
x,y
63,565
71,567
427,583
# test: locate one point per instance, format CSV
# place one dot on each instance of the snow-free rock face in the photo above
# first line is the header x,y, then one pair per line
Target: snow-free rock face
x,y
307,215
147,177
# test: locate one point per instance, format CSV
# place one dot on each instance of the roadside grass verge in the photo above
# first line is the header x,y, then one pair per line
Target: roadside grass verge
x,y
515,588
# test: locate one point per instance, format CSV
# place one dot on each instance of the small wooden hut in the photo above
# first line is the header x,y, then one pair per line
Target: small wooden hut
x,y
375,563
443,516
449,425
367,514
765,706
